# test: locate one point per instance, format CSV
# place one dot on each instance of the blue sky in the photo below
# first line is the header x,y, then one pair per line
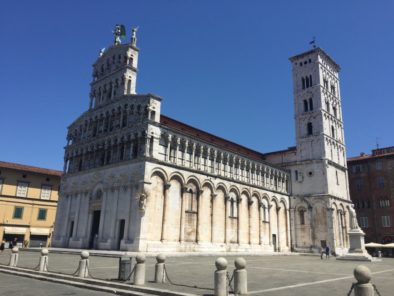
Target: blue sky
x,y
221,66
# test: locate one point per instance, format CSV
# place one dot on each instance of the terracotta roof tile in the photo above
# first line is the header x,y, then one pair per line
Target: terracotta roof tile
x,y
368,156
28,168
207,137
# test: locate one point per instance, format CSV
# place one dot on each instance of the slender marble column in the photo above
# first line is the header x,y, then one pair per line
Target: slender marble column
x,y
213,195
103,215
168,148
250,203
198,230
215,155
182,223
239,200
75,230
292,225
260,222
67,220
177,144
226,222
127,190
270,225
165,205
278,228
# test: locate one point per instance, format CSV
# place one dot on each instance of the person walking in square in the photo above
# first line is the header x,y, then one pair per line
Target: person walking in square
x,y
2,245
327,252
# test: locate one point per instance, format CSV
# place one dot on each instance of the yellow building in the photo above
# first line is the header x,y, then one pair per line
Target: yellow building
x,y
28,202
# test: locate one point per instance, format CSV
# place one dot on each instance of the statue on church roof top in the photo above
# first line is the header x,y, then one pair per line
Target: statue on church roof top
x,y
119,32
134,36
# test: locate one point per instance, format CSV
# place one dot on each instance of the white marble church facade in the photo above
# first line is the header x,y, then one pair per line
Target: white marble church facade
x,y
138,180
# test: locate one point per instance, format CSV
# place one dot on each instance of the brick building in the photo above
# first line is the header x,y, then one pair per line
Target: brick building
x,y
371,179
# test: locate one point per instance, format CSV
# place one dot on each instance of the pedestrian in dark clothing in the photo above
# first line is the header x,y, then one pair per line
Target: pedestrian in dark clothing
x,y
327,252
2,245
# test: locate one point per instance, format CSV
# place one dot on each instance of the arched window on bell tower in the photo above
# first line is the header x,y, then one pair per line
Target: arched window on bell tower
x,y
310,104
309,128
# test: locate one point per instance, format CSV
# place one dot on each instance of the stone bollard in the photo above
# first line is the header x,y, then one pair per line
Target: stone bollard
x,y
139,273
83,271
124,268
240,276
14,257
160,273
363,287
220,284
43,265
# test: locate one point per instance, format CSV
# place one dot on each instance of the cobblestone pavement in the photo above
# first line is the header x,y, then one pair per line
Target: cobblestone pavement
x,y
267,275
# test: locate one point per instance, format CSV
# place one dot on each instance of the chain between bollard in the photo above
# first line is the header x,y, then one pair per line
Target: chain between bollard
x,y
131,273
165,275
229,282
351,289
376,290
45,265
89,273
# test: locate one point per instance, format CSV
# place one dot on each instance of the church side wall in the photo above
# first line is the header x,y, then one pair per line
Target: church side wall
x,y
189,211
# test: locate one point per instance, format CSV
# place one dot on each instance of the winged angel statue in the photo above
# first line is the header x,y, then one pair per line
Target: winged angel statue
x,y
119,32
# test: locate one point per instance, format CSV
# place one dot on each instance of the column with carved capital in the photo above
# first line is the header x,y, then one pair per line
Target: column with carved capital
x,y
185,152
330,231
182,223
169,137
215,155
239,200
213,195
165,205
114,209
129,189
76,220
293,228
270,224
226,221
193,155
250,203
130,149
103,214
261,215
177,144
278,228
66,222
198,230
288,238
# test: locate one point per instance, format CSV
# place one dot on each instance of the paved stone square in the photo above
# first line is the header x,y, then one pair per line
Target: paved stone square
x,y
267,275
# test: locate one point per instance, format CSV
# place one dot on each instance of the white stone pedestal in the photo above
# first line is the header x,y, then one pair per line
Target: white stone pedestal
x,y
357,250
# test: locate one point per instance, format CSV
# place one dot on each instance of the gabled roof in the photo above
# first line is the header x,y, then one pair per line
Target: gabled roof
x,y
369,156
28,168
210,138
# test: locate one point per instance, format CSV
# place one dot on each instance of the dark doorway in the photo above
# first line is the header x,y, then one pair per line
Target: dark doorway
x,y
121,232
323,244
274,242
95,229
38,240
70,234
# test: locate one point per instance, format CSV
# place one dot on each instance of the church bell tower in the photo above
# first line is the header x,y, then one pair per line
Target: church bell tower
x,y
115,71
319,125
